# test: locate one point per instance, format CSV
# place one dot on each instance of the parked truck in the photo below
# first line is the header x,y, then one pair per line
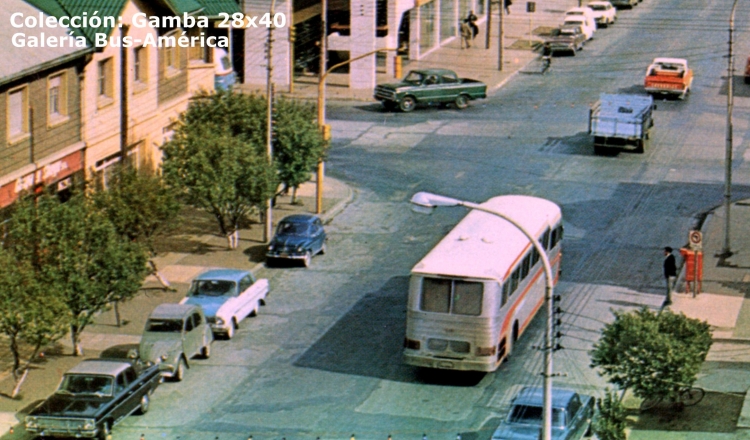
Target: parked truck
x,y
669,76
621,122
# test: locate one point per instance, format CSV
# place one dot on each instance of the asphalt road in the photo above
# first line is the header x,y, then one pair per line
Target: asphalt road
x,y
323,357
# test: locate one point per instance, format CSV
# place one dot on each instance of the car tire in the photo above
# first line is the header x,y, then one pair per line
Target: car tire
x,y
179,372
462,101
254,311
407,104
143,406
105,430
206,351
307,259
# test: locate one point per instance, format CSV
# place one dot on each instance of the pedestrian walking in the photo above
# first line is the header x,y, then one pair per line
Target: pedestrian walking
x,y
465,35
670,273
506,4
471,19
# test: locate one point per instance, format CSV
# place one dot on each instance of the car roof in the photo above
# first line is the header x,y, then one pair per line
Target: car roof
x,y
170,310
600,2
300,218
665,60
223,275
109,367
579,9
534,396
435,71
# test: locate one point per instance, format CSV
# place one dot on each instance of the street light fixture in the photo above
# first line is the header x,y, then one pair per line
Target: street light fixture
x,y
425,203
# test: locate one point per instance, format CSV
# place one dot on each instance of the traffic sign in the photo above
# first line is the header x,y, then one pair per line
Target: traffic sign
x,y
695,238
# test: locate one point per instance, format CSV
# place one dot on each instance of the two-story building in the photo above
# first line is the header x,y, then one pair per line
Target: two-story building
x,y
41,128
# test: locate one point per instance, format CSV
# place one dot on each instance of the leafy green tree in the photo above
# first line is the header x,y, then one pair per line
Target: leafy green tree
x,y
141,207
653,354
30,314
611,419
76,252
298,144
217,158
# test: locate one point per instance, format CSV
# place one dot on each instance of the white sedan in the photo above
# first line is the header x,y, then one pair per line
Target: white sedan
x,y
604,13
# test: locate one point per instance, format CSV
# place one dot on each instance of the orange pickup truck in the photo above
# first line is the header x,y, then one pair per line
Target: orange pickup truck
x,y
669,76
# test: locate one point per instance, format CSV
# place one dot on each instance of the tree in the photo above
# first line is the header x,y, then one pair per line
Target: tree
x,y
610,422
76,252
298,144
141,207
217,158
653,354
30,313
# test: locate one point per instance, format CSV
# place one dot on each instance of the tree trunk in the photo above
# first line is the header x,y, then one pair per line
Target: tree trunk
x,y
19,382
16,356
117,314
75,340
163,281
294,195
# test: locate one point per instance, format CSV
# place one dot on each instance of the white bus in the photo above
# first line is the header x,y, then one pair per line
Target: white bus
x,y
477,290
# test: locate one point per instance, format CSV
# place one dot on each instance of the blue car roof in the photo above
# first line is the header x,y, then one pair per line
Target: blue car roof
x,y
223,275
534,396
300,218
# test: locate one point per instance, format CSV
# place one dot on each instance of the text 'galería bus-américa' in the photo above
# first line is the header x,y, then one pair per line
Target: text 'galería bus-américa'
x,y
477,290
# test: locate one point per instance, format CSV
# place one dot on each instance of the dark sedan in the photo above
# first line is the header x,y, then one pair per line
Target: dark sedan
x,y
298,237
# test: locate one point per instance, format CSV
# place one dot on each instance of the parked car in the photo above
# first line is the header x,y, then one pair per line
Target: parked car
x,y
583,11
227,296
298,237
747,71
669,76
174,334
92,397
566,38
571,415
588,26
604,13
426,86
624,3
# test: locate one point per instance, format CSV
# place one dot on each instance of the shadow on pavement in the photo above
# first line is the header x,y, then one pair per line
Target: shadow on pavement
x,y
368,341
717,412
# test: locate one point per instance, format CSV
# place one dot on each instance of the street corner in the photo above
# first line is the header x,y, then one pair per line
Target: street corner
x,y
8,422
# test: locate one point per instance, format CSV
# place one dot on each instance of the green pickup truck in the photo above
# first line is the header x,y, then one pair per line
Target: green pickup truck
x,y
426,86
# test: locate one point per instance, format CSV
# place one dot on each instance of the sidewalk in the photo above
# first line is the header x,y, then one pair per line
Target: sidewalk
x,y
523,31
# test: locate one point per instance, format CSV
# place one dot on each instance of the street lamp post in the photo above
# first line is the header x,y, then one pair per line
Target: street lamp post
x,y
726,250
425,202
268,223
322,118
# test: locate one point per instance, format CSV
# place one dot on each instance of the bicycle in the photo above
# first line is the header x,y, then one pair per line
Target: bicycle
x,y
688,396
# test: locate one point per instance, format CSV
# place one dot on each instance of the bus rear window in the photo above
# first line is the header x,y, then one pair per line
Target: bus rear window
x,y
451,296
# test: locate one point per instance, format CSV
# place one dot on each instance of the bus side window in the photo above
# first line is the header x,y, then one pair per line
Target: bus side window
x,y
525,264
514,280
506,292
556,236
534,257
545,240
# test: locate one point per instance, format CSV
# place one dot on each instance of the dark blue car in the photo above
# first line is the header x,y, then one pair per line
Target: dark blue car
x,y
298,237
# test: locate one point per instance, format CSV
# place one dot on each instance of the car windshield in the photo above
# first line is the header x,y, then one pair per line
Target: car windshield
x,y
414,78
211,288
598,7
532,415
290,228
164,325
86,384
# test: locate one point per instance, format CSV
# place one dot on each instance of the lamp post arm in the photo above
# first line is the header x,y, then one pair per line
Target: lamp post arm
x,y
549,280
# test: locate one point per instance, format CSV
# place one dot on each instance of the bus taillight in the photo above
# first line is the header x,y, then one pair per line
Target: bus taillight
x,y
411,344
486,351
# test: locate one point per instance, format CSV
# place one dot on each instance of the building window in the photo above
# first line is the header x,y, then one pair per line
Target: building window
x,y
171,57
140,65
18,114
57,97
105,78
197,52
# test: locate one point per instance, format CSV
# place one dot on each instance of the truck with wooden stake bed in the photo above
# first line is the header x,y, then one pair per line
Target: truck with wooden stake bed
x,y
621,122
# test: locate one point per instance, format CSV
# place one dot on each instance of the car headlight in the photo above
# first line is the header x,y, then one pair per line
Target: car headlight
x,y
31,422
270,247
163,358
219,321
300,248
88,425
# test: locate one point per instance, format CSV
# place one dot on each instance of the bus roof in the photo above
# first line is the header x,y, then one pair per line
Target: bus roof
x,y
485,246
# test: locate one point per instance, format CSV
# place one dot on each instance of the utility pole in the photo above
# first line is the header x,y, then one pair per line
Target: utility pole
x,y
489,25
726,250
501,37
320,175
268,227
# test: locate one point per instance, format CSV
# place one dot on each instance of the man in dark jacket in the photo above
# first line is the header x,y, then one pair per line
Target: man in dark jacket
x,y
670,273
